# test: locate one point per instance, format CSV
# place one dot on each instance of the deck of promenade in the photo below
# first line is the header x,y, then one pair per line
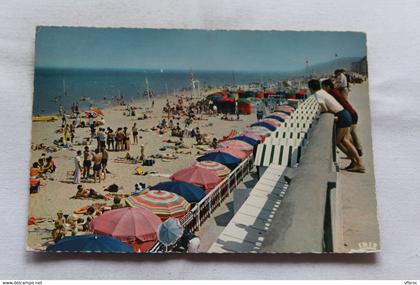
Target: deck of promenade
x,y
323,210
356,224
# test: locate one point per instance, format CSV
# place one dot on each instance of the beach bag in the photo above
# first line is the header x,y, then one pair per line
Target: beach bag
x,y
112,188
139,171
148,162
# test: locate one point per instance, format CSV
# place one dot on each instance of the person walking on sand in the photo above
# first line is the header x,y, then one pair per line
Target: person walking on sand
x,y
343,124
77,167
97,165
135,134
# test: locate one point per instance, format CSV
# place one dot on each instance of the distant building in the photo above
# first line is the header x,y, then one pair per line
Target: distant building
x,y
360,67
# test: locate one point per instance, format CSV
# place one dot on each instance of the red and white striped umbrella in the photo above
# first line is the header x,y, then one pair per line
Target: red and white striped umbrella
x,y
217,168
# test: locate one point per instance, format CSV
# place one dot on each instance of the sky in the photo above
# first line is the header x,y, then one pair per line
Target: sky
x,y
119,48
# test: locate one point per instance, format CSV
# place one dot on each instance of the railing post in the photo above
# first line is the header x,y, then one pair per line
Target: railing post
x,y
209,205
198,218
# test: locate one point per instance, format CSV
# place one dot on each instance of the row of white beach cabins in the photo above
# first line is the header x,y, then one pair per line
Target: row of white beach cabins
x,y
282,148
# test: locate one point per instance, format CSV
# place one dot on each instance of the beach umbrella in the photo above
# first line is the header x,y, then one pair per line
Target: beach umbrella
x,y
90,243
253,135
170,231
97,111
273,122
162,203
258,129
275,117
127,224
237,144
223,158
217,168
232,151
190,192
199,176
248,140
280,115
265,125
285,109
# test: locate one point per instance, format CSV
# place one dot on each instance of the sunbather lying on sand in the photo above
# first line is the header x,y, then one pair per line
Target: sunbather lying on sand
x,y
83,193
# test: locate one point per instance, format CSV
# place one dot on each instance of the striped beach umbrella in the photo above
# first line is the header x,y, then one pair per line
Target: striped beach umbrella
x,y
199,176
285,109
280,115
253,135
232,151
164,204
259,130
276,117
237,144
266,125
248,140
273,122
217,168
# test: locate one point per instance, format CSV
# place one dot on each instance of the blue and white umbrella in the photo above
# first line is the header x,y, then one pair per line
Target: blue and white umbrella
x,y
170,231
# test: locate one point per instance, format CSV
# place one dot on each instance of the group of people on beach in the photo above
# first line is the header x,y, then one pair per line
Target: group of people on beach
x,y
43,168
332,95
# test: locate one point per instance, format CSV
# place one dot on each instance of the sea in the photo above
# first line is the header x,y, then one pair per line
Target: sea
x,y
99,88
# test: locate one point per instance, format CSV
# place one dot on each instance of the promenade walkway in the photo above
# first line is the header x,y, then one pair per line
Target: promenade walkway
x,y
356,224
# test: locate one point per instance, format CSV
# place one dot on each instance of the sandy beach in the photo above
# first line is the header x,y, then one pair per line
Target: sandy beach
x,y
56,194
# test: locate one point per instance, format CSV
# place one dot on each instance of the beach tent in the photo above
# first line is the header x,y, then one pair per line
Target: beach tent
x,y
223,158
190,192
162,203
217,168
127,224
237,144
90,243
232,151
199,176
248,140
265,125
259,95
245,106
215,96
247,94
225,105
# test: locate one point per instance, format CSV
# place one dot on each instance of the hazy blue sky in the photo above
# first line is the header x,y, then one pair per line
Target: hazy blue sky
x,y
191,49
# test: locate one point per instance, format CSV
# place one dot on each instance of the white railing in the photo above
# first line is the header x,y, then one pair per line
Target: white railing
x,y
193,220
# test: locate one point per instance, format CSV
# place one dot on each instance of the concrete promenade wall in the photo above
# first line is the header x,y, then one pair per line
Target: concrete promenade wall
x,y
298,225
